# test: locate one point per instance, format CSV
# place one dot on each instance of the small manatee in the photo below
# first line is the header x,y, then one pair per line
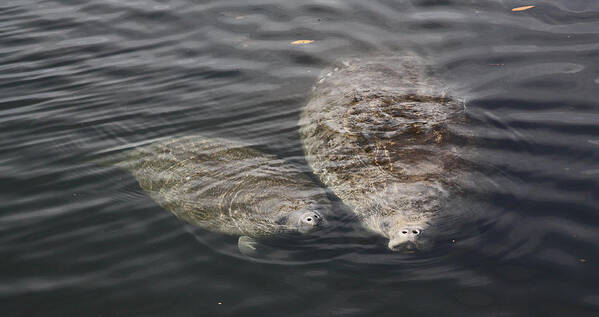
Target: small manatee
x,y
228,187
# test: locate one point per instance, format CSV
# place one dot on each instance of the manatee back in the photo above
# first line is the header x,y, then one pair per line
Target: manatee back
x,y
401,75
375,124
221,185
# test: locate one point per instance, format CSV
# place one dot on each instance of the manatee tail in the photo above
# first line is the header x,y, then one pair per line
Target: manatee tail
x,y
120,156
108,159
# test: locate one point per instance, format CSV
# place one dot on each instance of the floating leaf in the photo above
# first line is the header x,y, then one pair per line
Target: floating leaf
x,y
522,8
298,42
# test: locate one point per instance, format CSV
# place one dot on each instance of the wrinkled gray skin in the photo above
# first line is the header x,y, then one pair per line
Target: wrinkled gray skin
x,y
376,132
228,187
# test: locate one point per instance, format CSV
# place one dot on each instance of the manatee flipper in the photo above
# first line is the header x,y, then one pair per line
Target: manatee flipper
x,y
247,246
251,247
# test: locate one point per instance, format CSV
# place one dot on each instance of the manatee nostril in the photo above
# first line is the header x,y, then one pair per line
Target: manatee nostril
x,y
415,231
404,232
309,219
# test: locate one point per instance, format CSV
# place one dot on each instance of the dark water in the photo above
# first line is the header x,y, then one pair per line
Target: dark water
x,y
78,77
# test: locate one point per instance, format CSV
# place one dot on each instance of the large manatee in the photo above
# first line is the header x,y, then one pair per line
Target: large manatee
x,y
381,134
227,187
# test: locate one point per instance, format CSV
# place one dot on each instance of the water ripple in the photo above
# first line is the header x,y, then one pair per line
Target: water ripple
x,y
82,78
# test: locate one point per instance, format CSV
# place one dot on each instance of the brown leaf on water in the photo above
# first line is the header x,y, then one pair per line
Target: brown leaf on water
x,y
298,42
522,8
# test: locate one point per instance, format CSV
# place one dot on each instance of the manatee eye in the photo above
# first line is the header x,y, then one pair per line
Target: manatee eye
x,y
404,232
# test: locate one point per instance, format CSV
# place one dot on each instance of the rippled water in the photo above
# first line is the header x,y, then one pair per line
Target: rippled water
x,y
78,78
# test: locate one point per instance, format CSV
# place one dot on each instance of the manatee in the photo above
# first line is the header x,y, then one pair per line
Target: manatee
x,y
383,135
228,187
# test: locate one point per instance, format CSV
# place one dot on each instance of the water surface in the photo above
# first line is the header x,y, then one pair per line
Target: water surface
x,y
79,77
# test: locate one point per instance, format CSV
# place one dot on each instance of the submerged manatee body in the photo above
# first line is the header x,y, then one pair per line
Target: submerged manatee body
x,y
228,187
378,133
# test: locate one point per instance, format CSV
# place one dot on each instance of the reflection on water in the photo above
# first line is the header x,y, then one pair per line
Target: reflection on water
x,y
80,78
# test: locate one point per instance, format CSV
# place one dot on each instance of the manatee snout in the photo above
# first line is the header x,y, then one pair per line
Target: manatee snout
x,y
410,240
312,218
306,220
